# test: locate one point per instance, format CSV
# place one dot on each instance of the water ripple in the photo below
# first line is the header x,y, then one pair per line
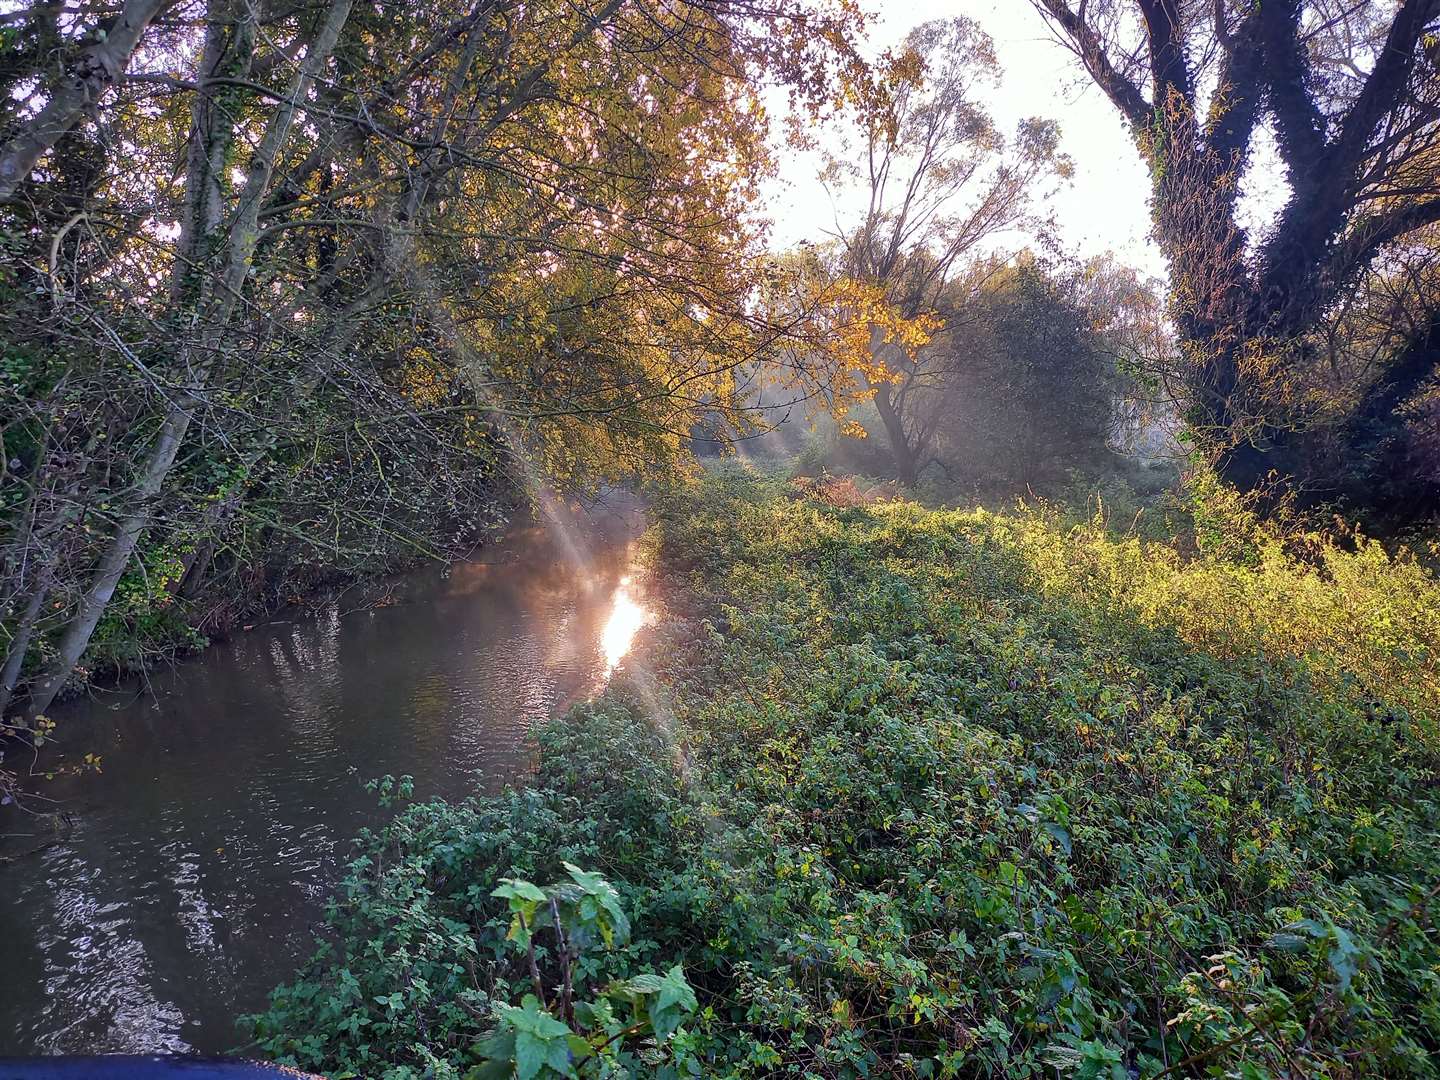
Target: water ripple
x,y
205,851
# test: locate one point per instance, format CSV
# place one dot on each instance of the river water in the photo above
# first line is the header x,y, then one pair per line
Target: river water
x,y
202,853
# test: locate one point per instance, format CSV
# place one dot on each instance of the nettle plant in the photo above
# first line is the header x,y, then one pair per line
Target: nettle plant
x,y
627,1025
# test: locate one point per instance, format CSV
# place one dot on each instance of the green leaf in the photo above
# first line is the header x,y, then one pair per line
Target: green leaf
x,y
579,1048
529,1017
499,1044
588,880
517,889
1287,942
530,1054
1344,957
638,985
674,1001
675,991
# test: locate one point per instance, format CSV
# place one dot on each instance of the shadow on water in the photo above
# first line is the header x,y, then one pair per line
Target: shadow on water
x,y
203,852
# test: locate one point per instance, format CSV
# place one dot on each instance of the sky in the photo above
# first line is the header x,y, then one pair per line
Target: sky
x,y
1104,208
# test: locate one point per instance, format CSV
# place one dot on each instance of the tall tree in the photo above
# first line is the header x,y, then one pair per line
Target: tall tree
x,y
320,283
1351,94
939,181
1030,383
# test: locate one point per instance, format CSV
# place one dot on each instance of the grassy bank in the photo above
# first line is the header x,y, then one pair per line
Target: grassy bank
x,y
908,792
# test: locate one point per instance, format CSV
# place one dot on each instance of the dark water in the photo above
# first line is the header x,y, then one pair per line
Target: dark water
x,y
202,854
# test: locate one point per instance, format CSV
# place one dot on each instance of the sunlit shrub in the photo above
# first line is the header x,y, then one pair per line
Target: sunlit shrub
x,y
961,793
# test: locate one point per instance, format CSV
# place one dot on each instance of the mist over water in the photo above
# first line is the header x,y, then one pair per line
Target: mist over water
x,y
203,853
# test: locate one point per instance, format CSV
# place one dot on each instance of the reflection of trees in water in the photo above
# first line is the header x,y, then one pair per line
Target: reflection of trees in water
x,y
209,842
304,663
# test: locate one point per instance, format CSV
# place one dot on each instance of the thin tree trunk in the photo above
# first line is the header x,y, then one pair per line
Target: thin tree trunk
x,y
20,644
244,236
97,67
901,451
902,454
212,134
112,564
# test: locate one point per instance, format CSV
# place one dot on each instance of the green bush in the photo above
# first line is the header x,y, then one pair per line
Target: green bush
x,y
908,792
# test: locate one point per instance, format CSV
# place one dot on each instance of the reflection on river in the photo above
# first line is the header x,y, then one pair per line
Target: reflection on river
x,y
204,851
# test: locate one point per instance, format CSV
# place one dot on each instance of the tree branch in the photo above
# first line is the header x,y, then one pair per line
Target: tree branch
x,y
1383,89
97,67
1169,66
1372,233
1086,44
1235,105
1299,123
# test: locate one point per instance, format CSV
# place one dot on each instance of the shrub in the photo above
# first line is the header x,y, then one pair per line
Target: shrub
x,y
955,793
843,491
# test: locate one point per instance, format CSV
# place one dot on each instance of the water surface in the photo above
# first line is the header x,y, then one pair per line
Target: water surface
x,y
202,854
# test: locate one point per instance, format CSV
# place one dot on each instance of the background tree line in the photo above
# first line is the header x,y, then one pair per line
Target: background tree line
x,y
1039,366
1300,353
1040,374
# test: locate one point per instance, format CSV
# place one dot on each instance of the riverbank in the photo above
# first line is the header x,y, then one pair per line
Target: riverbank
x,y
162,616
231,785
157,629
927,793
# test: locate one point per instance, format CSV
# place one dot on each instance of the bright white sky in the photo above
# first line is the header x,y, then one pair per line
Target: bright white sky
x,y
1103,209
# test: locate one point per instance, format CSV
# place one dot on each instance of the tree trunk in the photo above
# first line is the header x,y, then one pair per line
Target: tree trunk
x,y
212,135
20,645
901,452
40,586
92,73
243,237
112,564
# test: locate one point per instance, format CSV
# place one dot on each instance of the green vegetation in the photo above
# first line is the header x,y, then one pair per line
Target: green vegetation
x,y
292,294
915,792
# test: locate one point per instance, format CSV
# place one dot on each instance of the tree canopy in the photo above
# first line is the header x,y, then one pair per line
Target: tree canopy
x,y
943,188
1351,96
311,283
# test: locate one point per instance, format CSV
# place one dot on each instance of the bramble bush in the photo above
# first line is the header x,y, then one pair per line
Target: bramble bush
x,y
948,793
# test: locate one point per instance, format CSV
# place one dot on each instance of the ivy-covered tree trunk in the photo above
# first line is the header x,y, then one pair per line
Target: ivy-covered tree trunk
x,y
1197,85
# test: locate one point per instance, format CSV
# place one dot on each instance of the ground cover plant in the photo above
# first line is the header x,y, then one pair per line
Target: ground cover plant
x,y
897,791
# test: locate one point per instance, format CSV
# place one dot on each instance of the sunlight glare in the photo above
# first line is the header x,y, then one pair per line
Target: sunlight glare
x,y
627,616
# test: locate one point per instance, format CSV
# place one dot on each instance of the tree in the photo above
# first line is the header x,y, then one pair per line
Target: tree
x,y
1031,387
1126,312
940,182
1351,95
313,287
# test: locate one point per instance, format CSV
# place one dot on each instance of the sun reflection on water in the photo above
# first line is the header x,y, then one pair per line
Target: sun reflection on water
x,y
627,616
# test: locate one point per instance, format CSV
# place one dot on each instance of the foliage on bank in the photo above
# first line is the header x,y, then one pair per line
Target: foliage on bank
x,y
950,793
262,335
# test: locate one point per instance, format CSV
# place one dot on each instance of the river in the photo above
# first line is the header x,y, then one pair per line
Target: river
x,y
203,851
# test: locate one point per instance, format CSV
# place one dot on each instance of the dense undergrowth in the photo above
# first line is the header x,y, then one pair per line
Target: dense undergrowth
x,y
912,792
